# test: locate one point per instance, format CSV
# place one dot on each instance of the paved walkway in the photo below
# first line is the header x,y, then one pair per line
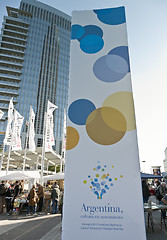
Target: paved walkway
x,y
48,227
41,227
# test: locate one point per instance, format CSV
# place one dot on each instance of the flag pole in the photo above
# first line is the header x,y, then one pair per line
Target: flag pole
x,y
43,149
27,135
63,149
3,150
10,146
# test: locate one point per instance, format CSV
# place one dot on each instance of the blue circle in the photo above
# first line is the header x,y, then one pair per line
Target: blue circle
x,y
79,111
111,16
123,52
110,68
97,185
91,44
96,180
91,30
110,179
77,31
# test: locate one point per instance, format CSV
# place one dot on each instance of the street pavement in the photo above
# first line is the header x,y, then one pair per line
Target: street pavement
x,y
40,227
48,227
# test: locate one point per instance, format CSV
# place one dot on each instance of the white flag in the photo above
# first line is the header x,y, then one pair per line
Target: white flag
x,y
18,122
49,135
8,135
51,107
31,130
1,114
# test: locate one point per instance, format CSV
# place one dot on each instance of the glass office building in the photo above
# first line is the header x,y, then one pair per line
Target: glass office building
x,y
34,64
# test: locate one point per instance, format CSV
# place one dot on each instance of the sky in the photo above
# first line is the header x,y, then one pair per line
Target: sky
x,y
147,40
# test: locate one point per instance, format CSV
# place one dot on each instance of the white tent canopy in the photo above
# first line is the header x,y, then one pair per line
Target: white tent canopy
x,y
32,159
15,176
57,176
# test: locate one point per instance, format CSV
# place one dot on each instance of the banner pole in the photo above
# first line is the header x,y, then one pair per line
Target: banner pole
x,y
10,146
3,150
43,150
63,149
55,168
37,163
27,135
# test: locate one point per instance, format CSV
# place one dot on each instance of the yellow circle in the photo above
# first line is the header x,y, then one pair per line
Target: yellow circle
x,y
72,138
103,177
97,175
115,179
106,126
84,181
94,169
112,166
123,102
121,176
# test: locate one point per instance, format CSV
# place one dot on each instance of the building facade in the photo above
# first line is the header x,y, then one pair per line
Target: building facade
x,y
34,65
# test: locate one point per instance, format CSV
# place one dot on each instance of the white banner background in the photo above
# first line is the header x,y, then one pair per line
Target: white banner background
x,y
85,216
16,138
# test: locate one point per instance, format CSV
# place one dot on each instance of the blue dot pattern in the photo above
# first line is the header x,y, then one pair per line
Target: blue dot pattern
x,y
79,111
111,16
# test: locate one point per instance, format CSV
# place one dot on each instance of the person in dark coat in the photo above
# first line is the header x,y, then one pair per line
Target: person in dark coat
x,y
2,196
40,193
146,192
55,194
9,199
32,201
16,189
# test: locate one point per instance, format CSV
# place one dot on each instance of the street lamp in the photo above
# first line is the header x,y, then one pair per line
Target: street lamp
x,y
143,166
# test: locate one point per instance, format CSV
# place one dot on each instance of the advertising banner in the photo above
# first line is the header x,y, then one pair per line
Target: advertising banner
x,y
16,135
8,135
49,138
1,114
103,195
31,130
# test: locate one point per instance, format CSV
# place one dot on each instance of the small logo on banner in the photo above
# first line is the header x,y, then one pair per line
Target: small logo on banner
x,y
101,181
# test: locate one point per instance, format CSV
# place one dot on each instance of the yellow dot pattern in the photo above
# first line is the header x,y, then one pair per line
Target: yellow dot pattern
x,y
123,102
106,126
103,176
72,138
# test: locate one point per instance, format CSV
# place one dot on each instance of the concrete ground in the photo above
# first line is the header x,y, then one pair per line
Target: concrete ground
x,y
40,227
48,227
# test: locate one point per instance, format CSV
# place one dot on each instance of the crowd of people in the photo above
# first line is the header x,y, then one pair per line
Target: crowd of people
x,y
156,189
48,199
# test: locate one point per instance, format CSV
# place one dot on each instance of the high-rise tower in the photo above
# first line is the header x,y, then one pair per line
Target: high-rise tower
x,y
34,64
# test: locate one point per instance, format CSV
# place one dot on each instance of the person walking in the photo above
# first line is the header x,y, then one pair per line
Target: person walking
x,y
2,196
32,201
47,197
146,192
40,193
55,194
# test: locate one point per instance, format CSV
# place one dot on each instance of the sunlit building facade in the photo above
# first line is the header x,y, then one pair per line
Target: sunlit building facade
x,y
34,64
